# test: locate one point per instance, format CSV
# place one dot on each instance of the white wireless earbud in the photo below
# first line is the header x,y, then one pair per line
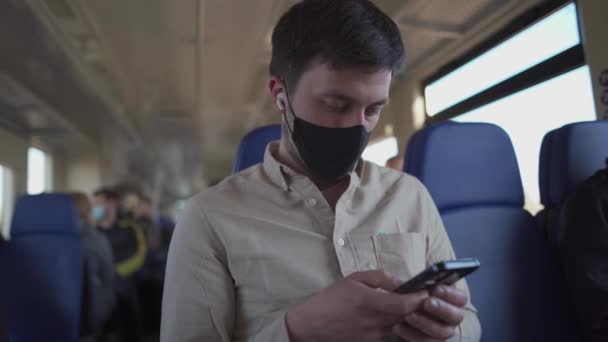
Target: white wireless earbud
x,y
281,102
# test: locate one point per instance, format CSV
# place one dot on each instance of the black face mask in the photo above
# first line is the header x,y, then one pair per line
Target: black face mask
x,y
329,153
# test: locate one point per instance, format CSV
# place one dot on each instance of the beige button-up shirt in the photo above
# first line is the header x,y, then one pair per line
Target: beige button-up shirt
x,y
247,250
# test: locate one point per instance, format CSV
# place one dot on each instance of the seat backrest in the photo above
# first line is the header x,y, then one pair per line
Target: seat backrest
x,y
3,337
471,171
569,155
41,271
253,145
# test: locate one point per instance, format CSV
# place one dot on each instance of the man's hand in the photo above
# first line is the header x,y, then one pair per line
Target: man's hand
x,y
438,319
356,308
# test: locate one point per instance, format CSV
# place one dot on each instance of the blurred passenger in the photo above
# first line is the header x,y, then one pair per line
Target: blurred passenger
x,y
129,248
150,279
395,163
98,291
144,215
129,203
125,235
166,226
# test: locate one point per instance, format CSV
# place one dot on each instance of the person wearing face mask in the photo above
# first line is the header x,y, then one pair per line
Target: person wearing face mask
x,y
98,291
129,249
309,244
125,235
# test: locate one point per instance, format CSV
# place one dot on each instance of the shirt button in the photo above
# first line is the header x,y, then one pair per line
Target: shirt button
x,y
311,202
341,242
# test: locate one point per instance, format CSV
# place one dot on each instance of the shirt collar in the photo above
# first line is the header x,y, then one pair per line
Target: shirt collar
x,y
285,177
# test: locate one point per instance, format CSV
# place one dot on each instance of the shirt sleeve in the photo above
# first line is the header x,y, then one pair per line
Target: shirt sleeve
x,y
275,331
199,293
198,298
440,249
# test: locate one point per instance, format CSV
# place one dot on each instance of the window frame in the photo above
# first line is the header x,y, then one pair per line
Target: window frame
x,y
557,65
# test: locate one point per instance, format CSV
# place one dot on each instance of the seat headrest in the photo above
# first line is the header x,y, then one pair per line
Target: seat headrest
x,y
569,155
253,145
465,164
44,214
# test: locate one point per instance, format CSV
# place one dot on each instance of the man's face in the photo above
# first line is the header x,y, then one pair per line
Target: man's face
x,y
100,201
108,205
144,210
340,98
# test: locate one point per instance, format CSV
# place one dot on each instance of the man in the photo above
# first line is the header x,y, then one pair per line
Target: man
x,y
144,214
125,235
151,277
129,250
98,290
308,245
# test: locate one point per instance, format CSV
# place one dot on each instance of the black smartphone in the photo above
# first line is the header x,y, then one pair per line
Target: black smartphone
x,y
446,272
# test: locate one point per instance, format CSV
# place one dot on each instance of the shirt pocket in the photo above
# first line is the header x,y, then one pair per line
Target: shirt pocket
x,y
403,255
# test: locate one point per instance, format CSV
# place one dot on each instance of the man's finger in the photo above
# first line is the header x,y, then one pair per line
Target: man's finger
x,y
376,279
443,311
408,333
395,304
451,294
430,327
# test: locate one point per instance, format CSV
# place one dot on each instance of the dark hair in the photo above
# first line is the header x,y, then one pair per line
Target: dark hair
x,y
107,193
343,33
83,206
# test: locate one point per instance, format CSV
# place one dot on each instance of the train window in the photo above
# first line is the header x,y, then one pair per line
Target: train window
x,y
6,200
545,39
39,171
2,198
518,80
529,114
380,151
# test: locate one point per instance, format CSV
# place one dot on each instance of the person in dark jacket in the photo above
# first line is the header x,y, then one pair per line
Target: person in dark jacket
x,y
129,248
98,289
121,228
